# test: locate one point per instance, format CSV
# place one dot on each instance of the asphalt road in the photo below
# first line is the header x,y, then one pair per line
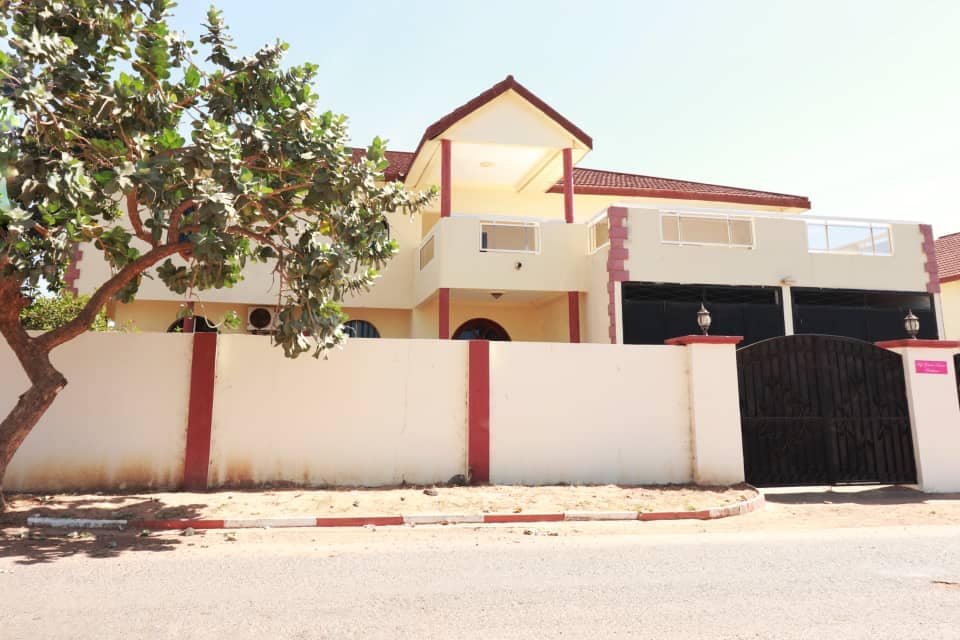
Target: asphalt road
x,y
680,580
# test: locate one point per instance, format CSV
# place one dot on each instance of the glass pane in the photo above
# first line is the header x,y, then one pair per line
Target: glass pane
x,y
508,238
426,253
741,232
817,236
601,233
881,241
849,239
704,230
670,228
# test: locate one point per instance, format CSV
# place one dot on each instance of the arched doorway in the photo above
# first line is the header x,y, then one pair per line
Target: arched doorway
x,y
360,329
200,325
481,329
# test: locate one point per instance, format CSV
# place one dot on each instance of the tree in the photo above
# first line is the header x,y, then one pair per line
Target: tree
x,y
47,314
121,139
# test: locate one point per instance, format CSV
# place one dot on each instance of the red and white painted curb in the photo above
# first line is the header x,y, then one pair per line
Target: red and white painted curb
x,y
747,506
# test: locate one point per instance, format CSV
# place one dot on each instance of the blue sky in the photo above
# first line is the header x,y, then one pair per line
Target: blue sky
x,y
853,103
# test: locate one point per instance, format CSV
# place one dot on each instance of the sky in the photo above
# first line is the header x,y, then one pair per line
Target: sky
x,y
853,103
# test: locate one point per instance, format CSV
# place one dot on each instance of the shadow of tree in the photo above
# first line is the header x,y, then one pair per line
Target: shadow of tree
x,y
885,495
35,545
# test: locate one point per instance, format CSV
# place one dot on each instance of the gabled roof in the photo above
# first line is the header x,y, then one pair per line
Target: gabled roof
x,y
948,257
612,183
507,84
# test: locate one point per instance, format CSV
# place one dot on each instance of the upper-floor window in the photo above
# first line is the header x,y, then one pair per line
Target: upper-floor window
x,y
864,239
522,237
360,329
427,250
703,229
599,233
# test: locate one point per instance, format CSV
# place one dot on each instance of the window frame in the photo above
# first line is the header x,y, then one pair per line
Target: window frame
x,y
526,225
869,225
729,244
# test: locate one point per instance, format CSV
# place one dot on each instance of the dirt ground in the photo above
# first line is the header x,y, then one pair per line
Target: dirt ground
x,y
404,501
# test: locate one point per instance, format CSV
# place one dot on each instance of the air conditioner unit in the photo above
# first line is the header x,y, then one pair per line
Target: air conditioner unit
x,y
261,319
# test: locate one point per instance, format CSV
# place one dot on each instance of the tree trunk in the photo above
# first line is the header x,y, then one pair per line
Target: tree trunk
x,y
46,382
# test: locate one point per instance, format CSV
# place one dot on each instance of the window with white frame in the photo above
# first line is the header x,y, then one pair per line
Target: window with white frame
x,y
851,238
518,237
599,233
427,250
706,229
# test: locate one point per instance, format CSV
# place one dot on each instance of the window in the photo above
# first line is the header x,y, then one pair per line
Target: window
x,y
851,238
481,329
360,329
200,325
426,252
717,230
599,233
510,236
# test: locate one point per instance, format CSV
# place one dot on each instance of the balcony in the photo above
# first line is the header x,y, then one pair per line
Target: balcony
x,y
500,254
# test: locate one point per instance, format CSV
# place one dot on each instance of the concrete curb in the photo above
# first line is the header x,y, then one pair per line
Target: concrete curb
x,y
747,506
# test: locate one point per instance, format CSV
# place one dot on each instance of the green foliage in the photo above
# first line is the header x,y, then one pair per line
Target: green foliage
x,y
228,159
46,314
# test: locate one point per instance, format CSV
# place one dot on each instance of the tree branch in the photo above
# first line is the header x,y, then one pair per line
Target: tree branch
x,y
110,288
173,229
133,210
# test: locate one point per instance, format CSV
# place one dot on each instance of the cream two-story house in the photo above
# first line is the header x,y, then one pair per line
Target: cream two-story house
x,y
527,244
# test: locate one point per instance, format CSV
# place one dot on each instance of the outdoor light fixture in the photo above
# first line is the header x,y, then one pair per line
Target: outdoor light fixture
x,y
496,295
912,324
703,319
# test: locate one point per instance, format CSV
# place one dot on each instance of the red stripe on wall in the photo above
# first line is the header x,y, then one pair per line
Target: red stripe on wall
x,y
573,313
196,462
446,186
444,311
478,441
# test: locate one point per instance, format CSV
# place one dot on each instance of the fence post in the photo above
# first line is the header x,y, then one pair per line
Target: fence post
x,y
716,441
196,462
931,381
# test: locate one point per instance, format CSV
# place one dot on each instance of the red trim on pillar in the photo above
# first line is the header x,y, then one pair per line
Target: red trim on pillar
x,y
196,463
573,315
72,273
478,407
444,312
919,344
695,339
929,247
568,184
446,189
616,262
189,324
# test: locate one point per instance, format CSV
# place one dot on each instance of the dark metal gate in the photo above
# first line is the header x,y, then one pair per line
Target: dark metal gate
x,y
824,410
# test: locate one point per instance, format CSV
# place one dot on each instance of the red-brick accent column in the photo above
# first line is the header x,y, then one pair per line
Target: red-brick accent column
x,y
446,188
616,262
196,463
443,305
573,297
930,250
478,412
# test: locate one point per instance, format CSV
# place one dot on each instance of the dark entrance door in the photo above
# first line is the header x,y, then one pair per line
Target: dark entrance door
x,y
824,410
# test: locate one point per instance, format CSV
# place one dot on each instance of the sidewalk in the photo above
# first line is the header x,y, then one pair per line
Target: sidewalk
x,y
400,505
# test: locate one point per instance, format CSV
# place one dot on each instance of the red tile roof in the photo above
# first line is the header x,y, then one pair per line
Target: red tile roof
x,y
612,183
948,257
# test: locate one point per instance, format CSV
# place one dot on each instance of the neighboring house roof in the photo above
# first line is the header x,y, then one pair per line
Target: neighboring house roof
x,y
948,257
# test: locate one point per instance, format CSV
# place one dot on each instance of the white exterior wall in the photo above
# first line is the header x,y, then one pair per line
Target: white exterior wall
x,y
596,312
780,252
588,413
377,412
119,423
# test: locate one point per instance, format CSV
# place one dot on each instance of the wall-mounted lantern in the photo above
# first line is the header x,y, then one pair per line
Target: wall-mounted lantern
x,y
703,319
912,324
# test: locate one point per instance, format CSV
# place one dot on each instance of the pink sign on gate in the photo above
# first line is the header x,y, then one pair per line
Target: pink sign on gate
x,y
931,366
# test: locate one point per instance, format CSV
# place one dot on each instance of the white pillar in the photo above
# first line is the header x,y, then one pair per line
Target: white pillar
x,y
715,438
934,411
787,303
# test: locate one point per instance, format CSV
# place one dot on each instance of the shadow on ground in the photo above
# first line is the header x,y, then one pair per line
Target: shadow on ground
x,y
36,545
885,495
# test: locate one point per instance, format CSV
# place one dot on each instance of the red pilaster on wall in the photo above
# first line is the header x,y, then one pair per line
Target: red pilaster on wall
x,y
196,463
616,262
72,273
443,304
568,185
930,266
573,315
446,188
478,412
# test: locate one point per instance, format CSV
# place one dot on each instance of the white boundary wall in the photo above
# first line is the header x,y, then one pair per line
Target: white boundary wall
x,y
589,413
377,412
119,423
